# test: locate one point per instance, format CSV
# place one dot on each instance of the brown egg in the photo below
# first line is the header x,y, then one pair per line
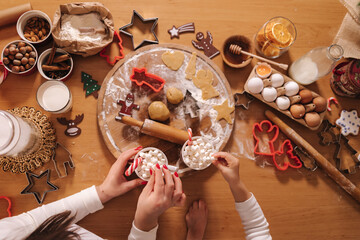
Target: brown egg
x,y
297,110
312,119
306,96
320,104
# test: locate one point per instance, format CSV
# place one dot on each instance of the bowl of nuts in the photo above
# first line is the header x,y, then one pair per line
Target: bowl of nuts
x,y
34,26
19,57
55,64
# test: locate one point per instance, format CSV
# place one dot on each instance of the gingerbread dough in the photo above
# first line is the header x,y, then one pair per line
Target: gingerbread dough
x,y
158,111
173,60
224,111
174,95
204,80
190,70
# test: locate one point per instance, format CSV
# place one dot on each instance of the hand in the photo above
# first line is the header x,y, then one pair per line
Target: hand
x,y
115,183
157,197
229,168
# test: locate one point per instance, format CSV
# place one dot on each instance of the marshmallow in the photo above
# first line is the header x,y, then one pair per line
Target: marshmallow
x,y
150,157
198,154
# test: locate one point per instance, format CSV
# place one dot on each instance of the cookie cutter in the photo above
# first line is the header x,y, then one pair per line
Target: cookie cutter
x,y
118,57
273,153
327,137
9,206
140,76
31,182
237,98
344,142
308,161
190,105
154,20
69,163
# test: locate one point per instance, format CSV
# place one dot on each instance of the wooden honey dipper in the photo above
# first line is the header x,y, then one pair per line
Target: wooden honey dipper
x,y
235,49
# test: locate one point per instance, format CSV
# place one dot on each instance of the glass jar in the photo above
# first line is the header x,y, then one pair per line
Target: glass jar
x,y
315,64
18,136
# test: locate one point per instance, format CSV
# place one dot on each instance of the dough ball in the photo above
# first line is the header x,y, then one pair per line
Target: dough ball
x,y
306,96
312,119
255,85
292,88
174,95
277,80
269,94
320,104
297,110
283,102
158,111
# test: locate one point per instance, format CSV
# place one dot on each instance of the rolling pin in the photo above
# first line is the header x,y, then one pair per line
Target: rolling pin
x,y
321,161
11,15
156,129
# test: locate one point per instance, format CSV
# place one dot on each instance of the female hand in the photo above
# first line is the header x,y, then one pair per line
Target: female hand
x,y
157,197
228,166
115,183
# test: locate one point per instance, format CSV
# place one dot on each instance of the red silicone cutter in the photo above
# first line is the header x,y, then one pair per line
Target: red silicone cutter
x,y
9,207
286,146
140,76
116,58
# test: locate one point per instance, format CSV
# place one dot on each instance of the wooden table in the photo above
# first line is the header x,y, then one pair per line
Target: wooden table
x,y
298,204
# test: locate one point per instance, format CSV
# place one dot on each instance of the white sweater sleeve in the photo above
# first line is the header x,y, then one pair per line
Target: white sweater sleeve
x,y
82,203
255,225
137,234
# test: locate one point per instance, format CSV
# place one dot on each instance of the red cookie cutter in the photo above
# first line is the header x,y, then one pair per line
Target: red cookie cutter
x,y
286,147
140,76
116,58
9,202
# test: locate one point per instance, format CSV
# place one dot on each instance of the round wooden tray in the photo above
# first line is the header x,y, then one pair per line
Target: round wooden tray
x,y
119,137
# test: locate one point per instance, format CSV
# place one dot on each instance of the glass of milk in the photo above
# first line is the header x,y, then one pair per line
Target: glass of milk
x,y
18,136
54,97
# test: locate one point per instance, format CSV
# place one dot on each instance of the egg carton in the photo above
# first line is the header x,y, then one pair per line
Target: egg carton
x,y
273,104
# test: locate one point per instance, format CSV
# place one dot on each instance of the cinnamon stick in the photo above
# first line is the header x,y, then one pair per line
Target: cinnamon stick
x,y
51,56
48,68
61,58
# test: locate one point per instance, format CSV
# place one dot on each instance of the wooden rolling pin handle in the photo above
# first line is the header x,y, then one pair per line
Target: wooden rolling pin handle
x,y
335,174
130,121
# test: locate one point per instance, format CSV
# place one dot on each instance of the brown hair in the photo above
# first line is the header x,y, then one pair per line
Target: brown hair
x,y
55,228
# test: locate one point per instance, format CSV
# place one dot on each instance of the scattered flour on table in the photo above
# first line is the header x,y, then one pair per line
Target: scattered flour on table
x,y
70,25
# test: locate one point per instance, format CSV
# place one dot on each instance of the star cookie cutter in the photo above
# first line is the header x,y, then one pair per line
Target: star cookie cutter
x,y
9,205
39,198
118,57
154,20
140,76
286,147
239,96
69,163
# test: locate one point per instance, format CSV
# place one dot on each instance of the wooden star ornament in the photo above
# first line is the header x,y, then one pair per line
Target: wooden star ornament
x,y
224,111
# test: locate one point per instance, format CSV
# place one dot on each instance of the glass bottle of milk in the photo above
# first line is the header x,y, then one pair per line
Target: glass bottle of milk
x,y
315,64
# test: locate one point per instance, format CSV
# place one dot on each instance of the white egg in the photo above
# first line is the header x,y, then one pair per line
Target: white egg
x,y
283,102
277,80
269,94
292,88
255,85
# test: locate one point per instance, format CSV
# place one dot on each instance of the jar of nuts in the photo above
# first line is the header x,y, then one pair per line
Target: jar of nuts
x,y
19,57
34,26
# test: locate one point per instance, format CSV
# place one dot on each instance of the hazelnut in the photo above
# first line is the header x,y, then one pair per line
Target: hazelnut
x,y
27,66
32,54
19,56
28,49
17,50
24,61
17,62
12,50
21,44
23,50
6,51
6,60
31,61
15,69
11,57
27,55
13,45
22,69
10,65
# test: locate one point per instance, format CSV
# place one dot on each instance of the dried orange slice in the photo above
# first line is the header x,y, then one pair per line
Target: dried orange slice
x,y
269,50
260,38
280,34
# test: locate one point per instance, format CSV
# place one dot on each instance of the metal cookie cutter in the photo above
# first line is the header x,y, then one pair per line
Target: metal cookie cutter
x,y
238,102
70,162
30,177
308,161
